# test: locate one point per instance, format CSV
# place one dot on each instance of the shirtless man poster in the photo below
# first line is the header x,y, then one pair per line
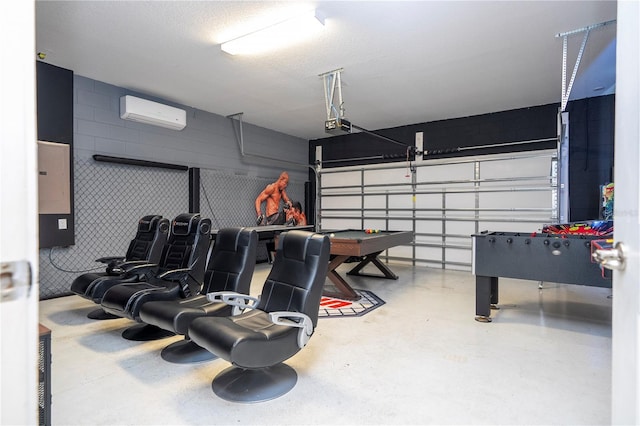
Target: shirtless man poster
x,y
273,194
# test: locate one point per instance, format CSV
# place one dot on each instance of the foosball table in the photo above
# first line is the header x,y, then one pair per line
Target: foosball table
x,y
558,253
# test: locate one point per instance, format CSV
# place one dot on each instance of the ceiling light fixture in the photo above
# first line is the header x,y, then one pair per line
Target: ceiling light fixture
x,y
289,31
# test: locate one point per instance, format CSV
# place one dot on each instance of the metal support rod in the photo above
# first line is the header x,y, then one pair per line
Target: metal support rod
x,y
549,177
369,132
333,94
476,185
566,91
452,191
240,138
443,225
373,157
537,220
136,162
564,72
438,209
496,145
587,28
264,157
563,168
362,199
414,206
317,170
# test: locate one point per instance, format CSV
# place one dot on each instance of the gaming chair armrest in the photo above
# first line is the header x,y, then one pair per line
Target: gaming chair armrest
x,y
175,274
111,259
113,264
189,286
295,319
239,301
139,267
135,263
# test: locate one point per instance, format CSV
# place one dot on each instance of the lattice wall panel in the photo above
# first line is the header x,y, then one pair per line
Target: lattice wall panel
x,y
109,200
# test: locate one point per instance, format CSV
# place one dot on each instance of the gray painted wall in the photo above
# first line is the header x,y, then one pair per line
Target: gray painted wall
x,y
209,141
110,198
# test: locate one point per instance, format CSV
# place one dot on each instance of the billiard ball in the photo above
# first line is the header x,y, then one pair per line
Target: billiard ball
x,y
332,235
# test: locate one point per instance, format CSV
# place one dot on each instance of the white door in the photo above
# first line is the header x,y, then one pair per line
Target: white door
x,y
626,291
18,215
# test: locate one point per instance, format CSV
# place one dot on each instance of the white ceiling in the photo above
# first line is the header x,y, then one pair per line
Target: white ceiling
x,y
403,62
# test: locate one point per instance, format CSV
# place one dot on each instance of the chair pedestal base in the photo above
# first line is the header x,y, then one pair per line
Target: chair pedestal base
x,y
240,385
145,333
100,314
186,352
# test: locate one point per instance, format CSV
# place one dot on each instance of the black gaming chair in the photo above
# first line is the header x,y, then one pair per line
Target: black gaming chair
x,y
146,247
276,326
230,268
178,275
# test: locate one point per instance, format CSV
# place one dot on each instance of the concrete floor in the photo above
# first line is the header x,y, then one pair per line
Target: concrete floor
x,y
418,359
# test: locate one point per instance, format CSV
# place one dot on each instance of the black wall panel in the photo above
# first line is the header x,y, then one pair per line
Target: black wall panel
x,y
54,87
507,128
591,143
55,103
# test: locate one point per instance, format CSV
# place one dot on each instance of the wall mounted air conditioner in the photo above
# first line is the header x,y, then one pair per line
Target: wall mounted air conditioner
x,y
149,112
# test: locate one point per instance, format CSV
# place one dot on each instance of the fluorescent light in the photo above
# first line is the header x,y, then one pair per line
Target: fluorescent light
x,y
281,34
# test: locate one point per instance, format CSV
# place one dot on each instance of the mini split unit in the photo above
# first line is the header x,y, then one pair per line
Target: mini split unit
x,y
149,112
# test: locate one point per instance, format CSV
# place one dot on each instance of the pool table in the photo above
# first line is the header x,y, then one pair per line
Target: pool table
x,y
349,243
269,232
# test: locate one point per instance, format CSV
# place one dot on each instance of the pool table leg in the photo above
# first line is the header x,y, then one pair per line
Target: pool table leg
x,y
486,295
345,291
373,258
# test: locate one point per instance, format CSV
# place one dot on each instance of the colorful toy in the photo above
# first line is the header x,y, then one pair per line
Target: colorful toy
x,y
606,213
606,244
596,227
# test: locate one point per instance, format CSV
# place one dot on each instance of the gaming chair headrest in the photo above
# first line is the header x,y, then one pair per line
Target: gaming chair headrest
x,y
230,239
227,239
185,223
148,223
296,246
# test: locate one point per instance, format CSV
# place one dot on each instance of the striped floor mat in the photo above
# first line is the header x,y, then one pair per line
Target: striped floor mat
x,y
331,307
